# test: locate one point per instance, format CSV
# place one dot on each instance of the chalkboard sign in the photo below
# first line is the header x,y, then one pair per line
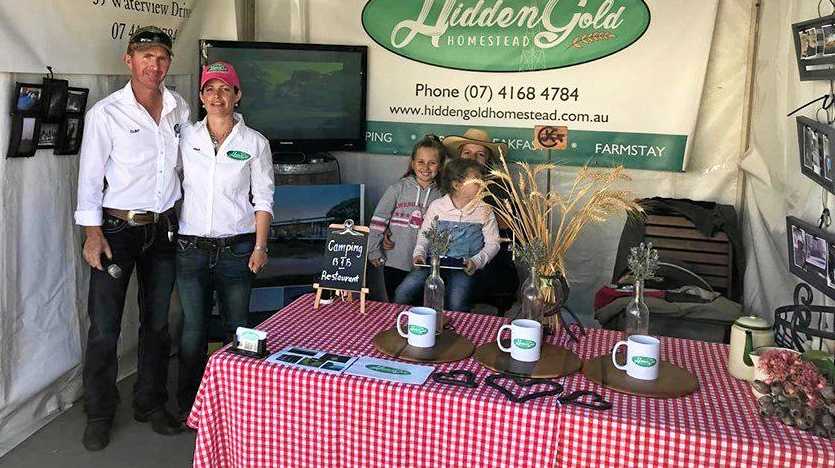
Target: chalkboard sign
x,y
346,251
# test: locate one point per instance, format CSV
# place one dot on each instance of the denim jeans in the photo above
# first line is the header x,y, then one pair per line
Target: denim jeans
x,y
148,249
459,288
201,272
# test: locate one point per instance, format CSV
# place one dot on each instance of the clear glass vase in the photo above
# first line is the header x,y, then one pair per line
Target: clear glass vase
x,y
637,313
530,297
434,290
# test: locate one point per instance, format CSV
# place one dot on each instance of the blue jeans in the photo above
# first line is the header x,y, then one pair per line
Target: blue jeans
x,y
148,249
201,272
459,288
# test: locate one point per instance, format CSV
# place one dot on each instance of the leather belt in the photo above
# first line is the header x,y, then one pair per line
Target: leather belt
x,y
137,217
214,243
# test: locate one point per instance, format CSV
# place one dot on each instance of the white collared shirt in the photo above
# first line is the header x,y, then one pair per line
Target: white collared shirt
x,y
217,187
137,156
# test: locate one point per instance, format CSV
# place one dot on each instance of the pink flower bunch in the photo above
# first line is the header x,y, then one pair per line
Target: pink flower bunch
x,y
795,373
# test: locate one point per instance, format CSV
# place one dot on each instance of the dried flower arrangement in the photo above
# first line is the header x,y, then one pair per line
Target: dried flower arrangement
x,y
643,262
438,239
796,393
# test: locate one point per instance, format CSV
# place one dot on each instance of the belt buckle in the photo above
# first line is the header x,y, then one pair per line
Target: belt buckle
x,y
131,220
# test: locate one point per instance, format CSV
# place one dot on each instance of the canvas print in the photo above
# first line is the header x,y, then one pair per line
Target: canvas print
x,y
77,100
28,98
826,151
299,228
816,252
829,39
47,135
799,243
69,135
830,266
23,139
811,149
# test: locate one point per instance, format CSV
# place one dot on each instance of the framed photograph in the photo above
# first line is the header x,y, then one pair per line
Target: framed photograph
x,y
23,138
47,134
68,137
798,247
812,254
27,99
814,43
815,142
55,93
77,100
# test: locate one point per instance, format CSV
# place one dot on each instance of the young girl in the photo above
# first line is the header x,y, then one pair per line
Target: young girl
x,y
475,237
401,210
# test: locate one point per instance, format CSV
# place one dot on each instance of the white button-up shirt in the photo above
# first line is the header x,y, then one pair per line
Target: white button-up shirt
x,y
138,157
217,187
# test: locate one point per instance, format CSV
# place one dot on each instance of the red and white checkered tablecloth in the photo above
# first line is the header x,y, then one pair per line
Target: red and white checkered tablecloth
x,y
250,413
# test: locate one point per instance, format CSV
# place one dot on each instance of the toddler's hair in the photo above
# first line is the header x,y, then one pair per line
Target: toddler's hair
x,y
456,170
428,141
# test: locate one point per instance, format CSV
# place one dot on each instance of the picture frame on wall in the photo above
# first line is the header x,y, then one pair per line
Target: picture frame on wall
x,y
27,98
54,99
816,145
811,254
23,139
814,44
47,133
77,100
68,139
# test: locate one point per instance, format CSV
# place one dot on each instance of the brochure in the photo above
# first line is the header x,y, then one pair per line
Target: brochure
x,y
393,371
323,361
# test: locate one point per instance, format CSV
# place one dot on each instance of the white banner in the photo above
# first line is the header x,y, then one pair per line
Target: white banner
x,y
625,76
89,37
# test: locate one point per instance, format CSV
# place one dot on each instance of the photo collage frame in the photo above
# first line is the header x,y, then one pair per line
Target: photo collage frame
x,y
811,254
47,115
816,145
814,43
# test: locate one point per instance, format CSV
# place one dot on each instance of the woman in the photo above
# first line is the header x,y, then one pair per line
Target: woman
x,y
498,280
222,242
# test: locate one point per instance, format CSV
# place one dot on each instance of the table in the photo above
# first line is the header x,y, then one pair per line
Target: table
x,y
250,413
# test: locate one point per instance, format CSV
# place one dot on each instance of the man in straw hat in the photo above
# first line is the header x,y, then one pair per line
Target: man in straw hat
x,y
475,144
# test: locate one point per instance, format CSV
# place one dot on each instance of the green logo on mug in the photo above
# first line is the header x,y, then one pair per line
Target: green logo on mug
x,y
505,35
418,330
644,361
387,369
524,344
239,155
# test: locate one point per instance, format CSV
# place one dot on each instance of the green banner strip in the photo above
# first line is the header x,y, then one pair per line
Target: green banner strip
x,y
651,151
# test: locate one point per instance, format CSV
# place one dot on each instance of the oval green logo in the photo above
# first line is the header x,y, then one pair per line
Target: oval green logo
x,y
524,344
418,330
505,35
644,361
239,155
387,369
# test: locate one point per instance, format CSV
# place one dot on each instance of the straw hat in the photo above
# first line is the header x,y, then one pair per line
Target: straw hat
x,y
477,136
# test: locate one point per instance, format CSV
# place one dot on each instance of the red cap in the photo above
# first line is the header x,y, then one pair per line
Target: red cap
x,y
222,71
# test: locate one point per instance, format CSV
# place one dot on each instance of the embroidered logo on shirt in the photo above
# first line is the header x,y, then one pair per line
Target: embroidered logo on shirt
x,y
134,130
239,155
415,218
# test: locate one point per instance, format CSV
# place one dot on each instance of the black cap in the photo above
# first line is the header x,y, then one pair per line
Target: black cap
x,y
151,35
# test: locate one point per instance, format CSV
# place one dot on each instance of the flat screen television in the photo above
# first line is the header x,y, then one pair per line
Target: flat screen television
x,y
301,215
303,97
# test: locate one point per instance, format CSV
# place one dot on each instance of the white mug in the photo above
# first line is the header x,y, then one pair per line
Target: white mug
x,y
525,339
421,326
642,357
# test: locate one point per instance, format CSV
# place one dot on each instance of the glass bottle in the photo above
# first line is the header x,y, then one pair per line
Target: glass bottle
x,y
434,290
531,301
637,313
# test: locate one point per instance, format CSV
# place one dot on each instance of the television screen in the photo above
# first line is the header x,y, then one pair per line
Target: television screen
x,y
301,215
302,97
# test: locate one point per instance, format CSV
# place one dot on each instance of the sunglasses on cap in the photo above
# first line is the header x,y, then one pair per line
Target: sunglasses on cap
x,y
151,35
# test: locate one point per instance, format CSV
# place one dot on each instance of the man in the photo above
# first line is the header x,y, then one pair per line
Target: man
x,y
127,186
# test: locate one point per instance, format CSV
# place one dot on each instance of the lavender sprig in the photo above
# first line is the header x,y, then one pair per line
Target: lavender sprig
x,y
643,262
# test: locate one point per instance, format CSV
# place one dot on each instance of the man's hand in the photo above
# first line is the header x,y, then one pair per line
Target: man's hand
x,y
419,260
257,260
388,244
469,267
94,246
377,262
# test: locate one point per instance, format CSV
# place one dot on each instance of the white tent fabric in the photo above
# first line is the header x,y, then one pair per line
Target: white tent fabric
x,y
711,171
774,186
43,279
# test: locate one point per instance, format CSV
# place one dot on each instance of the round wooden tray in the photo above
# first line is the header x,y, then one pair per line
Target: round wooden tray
x,y
553,362
449,347
672,382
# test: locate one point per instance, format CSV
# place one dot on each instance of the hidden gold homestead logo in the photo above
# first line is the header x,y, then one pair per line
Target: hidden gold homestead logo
x,y
505,35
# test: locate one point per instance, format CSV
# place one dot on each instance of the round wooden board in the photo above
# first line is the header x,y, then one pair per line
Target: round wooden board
x,y
672,382
449,347
553,362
